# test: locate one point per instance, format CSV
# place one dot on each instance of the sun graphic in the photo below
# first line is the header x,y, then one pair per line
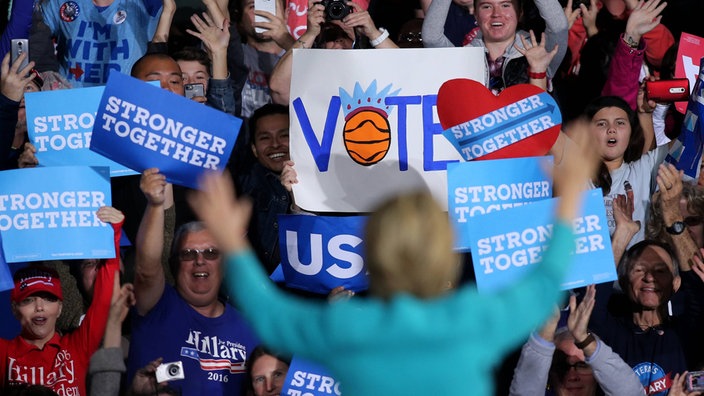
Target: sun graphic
x,y
367,134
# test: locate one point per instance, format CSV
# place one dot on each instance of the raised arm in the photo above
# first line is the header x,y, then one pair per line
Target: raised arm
x,y
163,27
624,69
12,85
215,36
433,32
626,227
90,333
612,374
149,279
669,181
276,28
531,373
107,364
556,31
538,59
280,79
362,22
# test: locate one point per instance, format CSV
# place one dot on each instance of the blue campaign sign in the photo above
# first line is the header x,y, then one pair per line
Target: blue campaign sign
x,y
142,126
5,275
686,152
60,125
306,378
319,253
504,126
50,213
508,243
478,187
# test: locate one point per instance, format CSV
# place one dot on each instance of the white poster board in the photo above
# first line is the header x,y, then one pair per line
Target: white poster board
x,y
392,140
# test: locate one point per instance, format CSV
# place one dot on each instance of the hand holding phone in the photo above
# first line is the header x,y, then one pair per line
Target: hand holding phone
x,y
19,47
576,3
264,5
695,381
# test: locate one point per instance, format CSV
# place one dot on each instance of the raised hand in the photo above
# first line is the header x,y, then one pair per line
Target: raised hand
x,y
14,80
679,388
578,320
537,56
572,15
153,185
589,17
644,17
225,215
108,214
288,177
276,28
215,37
28,159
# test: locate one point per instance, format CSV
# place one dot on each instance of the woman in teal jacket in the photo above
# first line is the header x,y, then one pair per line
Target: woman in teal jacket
x,y
413,336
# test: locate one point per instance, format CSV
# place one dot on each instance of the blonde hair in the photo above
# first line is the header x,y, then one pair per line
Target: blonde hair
x,y
409,247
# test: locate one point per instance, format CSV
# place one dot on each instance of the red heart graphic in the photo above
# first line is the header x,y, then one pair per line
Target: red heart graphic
x,y
461,100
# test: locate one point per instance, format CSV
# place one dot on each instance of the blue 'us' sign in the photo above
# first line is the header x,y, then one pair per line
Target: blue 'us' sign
x,y
319,253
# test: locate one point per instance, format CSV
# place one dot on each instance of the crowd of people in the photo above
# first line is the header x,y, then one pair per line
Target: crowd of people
x,y
194,288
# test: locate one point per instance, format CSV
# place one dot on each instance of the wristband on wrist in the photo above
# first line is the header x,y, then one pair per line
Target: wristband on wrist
x,y
584,343
537,76
383,36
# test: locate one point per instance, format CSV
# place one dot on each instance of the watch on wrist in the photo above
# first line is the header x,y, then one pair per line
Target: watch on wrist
x,y
584,343
676,228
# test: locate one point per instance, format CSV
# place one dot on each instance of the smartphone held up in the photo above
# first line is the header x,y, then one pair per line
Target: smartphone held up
x,y
264,5
674,90
19,47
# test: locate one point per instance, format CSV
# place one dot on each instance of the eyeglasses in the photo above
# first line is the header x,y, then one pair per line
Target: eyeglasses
x,y
580,367
693,221
192,254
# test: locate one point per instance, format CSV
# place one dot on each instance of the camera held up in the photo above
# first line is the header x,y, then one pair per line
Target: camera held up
x,y
335,9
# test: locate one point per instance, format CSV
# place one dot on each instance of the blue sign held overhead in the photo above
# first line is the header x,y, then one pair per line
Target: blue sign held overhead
x,y
478,187
60,126
50,213
141,126
508,243
319,253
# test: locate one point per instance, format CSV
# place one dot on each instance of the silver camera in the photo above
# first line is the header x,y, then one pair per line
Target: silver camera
x,y
170,372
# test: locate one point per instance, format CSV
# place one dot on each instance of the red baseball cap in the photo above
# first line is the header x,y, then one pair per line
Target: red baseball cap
x,y
33,280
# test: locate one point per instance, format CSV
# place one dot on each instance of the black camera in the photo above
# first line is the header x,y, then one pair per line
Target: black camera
x,y
335,9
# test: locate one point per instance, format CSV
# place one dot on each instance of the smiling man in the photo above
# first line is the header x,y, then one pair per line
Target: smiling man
x,y
656,344
268,128
186,322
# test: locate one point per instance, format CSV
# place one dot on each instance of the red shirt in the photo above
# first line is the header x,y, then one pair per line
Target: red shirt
x,y
62,364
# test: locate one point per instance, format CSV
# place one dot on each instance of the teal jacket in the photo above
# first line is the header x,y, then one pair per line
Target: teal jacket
x,y
405,345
